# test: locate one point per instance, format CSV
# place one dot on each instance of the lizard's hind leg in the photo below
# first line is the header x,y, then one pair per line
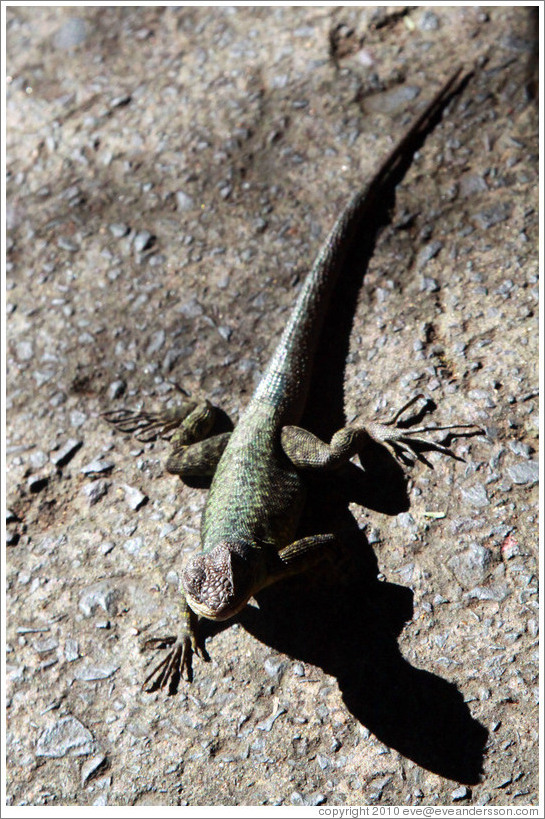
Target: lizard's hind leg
x,y
199,459
306,451
195,453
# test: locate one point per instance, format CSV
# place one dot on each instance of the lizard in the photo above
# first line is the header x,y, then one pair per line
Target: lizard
x,y
258,470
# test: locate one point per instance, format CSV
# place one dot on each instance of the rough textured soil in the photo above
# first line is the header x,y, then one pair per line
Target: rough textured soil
x,y
171,172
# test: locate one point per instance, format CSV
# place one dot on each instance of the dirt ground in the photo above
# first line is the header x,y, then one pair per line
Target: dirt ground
x,y
171,173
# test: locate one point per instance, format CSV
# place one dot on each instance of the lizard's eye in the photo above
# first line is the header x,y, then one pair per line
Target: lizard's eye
x,y
194,576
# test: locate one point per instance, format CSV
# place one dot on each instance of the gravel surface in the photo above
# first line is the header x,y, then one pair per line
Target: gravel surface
x,y
171,172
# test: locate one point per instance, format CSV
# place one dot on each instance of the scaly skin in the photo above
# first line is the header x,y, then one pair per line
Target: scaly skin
x,y
258,489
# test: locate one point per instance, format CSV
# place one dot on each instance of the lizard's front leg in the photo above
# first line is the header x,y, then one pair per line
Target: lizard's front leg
x,y
178,661
195,454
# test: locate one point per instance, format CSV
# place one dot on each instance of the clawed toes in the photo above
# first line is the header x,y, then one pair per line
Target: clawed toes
x,y
408,451
169,671
144,426
177,664
398,413
406,442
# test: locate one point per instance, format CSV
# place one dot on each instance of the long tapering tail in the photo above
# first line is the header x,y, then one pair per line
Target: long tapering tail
x,y
285,381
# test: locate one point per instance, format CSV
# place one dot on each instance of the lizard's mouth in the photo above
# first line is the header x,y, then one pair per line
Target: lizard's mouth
x,y
224,612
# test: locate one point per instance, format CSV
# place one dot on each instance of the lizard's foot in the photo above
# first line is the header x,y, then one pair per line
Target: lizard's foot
x,y
145,426
405,442
177,664
188,422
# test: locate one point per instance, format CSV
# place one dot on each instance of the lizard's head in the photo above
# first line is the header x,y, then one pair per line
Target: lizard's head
x,y
219,583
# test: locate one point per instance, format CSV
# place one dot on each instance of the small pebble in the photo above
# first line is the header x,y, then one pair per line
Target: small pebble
x,y
389,102
225,332
520,448
510,548
37,482
67,244
486,219
106,547
67,736
470,567
190,309
471,184
428,252
96,490
274,667
77,418
156,341
497,592
89,673
71,650
525,473
533,627
91,766
429,21
184,201
157,259
99,595
428,285
476,496
24,351
119,230
38,459
57,399
97,467
134,497
45,646
134,545
143,240
119,102
65,454
71,34
116,389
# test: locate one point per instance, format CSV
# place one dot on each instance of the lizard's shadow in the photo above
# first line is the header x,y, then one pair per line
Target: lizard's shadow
x,y
343,620
416,712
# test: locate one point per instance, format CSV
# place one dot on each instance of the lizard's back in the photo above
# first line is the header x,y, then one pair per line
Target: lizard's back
x,y
256,494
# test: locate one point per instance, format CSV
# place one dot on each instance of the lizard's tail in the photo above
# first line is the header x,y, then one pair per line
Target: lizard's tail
x,y
284,384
